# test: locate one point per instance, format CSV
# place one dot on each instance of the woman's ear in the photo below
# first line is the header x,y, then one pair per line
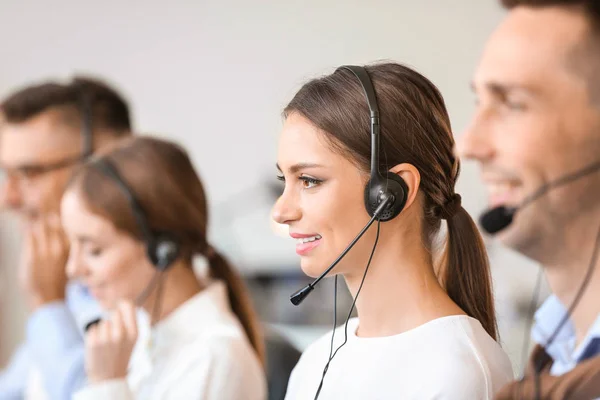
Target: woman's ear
x,y
410,174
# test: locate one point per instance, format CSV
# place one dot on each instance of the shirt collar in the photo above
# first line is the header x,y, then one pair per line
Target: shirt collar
x,y
562,349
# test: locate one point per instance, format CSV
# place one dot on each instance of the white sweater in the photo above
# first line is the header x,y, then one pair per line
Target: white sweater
x,y
447,358
199,352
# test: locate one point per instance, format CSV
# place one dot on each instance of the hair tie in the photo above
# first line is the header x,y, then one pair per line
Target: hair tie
x,y
451,207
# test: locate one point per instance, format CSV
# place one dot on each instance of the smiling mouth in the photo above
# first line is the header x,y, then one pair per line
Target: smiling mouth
x,y
502,193
306,244
308,239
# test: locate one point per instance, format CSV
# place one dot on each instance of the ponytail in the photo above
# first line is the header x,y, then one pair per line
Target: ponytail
x,y
466,271
240,301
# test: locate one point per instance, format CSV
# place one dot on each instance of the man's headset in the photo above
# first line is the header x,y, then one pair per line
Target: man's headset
x,y
501,217
385,194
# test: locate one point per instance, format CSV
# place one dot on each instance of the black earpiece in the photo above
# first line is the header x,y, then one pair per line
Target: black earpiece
x,y
395,187
388,184
162,247
162,250
384,195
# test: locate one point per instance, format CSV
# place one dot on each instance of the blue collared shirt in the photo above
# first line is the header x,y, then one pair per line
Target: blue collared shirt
x,y
54,345
562,350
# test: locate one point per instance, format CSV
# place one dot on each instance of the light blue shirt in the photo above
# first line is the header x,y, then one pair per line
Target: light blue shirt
x,y
562,350
54,345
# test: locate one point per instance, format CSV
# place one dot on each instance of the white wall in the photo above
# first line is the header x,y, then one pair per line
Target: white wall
x,y
214,75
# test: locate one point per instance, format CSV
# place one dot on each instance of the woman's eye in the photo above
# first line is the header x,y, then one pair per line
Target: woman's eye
x,y
308,182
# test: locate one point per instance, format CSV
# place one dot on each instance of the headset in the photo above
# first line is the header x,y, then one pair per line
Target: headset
x,y
385,195
499,218
162,248
379,185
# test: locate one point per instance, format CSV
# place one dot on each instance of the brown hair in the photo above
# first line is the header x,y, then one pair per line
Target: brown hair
x,y
109,110
161,176
415,129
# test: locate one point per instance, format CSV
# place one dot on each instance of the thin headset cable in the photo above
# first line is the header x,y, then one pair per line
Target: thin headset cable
x,y
157,306
335,281
349,313
574,303
141,298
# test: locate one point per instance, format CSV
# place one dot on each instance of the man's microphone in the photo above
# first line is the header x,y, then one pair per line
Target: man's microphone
x,y
301,294
498,218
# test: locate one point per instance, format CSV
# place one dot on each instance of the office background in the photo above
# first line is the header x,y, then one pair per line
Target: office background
x,y
214,76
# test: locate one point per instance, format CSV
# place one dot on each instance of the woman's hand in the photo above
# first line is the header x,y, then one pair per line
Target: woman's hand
x,y
109,343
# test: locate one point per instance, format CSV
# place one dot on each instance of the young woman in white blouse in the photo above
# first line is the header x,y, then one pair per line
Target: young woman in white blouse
x,y
203,341
426,326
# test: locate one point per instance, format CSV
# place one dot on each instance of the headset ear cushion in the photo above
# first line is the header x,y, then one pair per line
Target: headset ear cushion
x,y
393,184
163,250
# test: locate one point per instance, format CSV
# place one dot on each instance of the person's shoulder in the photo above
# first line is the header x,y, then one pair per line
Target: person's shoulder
x,y
468,359
219,367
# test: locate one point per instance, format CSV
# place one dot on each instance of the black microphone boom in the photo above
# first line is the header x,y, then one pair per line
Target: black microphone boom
x,y
496,219
301,294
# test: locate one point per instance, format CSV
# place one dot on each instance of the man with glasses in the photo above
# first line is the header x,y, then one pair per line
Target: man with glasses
x,y
45,131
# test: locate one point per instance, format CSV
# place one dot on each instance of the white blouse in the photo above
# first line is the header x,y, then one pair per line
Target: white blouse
x,y
449,358
199,352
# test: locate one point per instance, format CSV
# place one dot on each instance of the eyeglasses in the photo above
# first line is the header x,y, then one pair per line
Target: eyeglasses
x,y
28,172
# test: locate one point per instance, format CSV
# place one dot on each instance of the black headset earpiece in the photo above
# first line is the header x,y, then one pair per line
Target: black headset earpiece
x,y
162,250
374,191
379,185
162,247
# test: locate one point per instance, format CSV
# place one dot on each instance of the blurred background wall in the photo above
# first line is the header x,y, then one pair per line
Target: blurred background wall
x,y
214,76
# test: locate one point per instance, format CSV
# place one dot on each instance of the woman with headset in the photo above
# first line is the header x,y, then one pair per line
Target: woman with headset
x,y
136,217
426,325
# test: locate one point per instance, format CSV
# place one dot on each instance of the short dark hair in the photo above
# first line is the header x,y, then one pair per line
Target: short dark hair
x,y
585,57
109,110
591,8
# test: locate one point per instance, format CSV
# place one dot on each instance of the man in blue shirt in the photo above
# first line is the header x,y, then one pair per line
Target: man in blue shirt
x,y
537,119
46,130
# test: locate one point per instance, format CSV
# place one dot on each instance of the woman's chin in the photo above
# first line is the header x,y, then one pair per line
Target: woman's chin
x,y
311,267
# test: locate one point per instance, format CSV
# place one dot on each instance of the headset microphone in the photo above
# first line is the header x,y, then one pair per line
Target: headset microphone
x,y
301,294
162,248
498,218
384,195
